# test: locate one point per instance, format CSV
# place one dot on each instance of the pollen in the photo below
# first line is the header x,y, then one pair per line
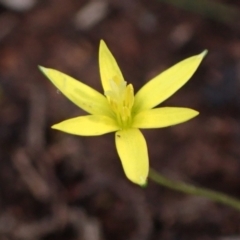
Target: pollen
x,y
121,98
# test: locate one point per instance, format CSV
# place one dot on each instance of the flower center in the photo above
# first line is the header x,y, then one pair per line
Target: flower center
x,y
121,99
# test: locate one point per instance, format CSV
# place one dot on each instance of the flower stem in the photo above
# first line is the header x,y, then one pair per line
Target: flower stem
x,y
193,190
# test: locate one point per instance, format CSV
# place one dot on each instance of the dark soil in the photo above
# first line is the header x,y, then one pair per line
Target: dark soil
x,y
55,186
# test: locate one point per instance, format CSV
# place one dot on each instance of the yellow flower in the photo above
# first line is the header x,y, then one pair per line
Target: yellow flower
x,y
118,110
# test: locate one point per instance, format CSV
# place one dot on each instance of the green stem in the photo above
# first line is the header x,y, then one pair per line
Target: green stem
x,y
208,8
193,190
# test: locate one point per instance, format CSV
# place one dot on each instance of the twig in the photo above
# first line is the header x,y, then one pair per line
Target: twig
x,y
30,176
37,119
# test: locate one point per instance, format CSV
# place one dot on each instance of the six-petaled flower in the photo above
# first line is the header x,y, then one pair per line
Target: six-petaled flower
x,y
118,110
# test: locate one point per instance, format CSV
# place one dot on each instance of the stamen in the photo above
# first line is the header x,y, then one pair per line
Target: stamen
x,y
121,99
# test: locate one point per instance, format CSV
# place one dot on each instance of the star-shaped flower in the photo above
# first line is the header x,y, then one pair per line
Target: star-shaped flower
x,y
118,110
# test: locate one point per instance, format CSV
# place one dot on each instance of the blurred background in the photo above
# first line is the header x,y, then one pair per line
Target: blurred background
x,y
57,186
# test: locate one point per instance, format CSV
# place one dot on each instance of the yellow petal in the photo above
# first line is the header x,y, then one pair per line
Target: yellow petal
x,y
132,150
91,125
79,93
109,69
167,83
163,117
